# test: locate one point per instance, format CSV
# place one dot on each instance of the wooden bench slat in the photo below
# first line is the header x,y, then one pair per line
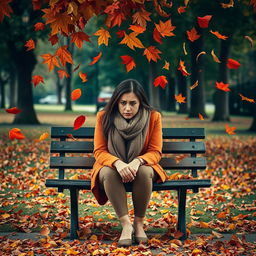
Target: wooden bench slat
x,y
87,163
167,185
87,147
168,133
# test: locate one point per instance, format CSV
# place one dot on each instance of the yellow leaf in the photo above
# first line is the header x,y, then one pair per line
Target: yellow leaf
x,y
72,252
94,237
44,136
226,187
215,58
6,215
103,36
132,41
72,8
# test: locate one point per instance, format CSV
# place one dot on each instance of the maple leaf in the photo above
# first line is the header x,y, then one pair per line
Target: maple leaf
x,y
157,36
51,61
15,133
72,8
39,26
181,9
83,76
128,61
57,21
132,41
217,34
182,68
54,39
192,35
141,17
63,73
136,28
120,33
30,44
165,28
115,19
76,94
13,110
203,22
103,36
233,64
79,121
166,65
160,80
152,53
96,59
37,79
5,9
78,38
179,98
64,55
230,130
222,86
245,98
215,58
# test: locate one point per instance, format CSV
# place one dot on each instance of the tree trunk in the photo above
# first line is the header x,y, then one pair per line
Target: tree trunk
x,y
197,103
2,85
25,63
58,87
220,98
153,91
13,91
183,89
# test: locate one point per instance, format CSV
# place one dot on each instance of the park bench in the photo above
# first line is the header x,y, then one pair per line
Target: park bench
x,y
184,143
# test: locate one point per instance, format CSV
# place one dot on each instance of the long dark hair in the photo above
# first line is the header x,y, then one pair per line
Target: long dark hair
x,y
126,86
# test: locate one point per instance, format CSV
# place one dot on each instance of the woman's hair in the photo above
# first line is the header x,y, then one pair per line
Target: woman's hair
x,y
126,86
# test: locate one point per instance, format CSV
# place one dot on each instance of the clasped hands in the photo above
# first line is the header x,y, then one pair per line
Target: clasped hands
x,y
127,171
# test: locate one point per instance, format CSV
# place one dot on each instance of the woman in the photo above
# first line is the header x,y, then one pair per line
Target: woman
x,y
127,148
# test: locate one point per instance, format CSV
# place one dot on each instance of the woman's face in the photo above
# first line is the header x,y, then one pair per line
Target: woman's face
x,y
128,105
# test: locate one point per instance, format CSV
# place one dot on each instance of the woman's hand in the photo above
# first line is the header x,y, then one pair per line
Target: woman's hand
x,y
135,164
126,171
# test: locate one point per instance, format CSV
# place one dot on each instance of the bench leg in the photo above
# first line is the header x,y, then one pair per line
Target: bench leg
x,y
61,176
182,212
74,225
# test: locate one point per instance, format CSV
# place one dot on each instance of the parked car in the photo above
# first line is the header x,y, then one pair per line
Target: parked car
x,y
51,99
103,99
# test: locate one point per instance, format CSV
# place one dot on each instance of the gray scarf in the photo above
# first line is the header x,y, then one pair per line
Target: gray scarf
x,y
126,139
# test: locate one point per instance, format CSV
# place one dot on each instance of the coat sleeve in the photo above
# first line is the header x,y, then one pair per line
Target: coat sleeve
x,y
154,151
101,154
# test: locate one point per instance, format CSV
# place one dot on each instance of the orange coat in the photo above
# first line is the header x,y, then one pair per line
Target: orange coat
x,y
151,152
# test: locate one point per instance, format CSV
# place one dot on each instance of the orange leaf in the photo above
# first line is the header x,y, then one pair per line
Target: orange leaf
x,y
222,86
184,48
192,35
194,85
5,9
132,41
96,59
103,36
13,110
160,80
79,121
37,79
179,98
199,54
182,68
78,38
245,98
181,9
222,215
64,55
39,26
152,53
230,130
249,39
51,61
157,36
71,251
204,224
30,44
128,61
45,231
215,58
216,33
166,65
44,136
15,133
83,76
63,73
141,17
76,94
136,28
200,116
233,64
165,28
177,234
228,5
203,22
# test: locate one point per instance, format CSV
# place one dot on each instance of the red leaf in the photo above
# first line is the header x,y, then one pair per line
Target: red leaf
x,y
30,44
54,39
76,94
13,110
160,80
203,22
182,9
5,9
222,86
63,73
15,133
192,35
182,68
128,61
79,122
96,59
152,53
233,64
157,36
37,79
39,26
120,33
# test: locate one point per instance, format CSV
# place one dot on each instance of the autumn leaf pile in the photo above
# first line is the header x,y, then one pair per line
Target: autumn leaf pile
x,y
27,205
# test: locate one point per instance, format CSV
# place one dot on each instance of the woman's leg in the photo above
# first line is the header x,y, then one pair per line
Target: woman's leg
x,y
112,183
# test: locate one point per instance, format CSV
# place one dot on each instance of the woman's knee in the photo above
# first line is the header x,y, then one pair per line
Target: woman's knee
x,y
107,173
145,172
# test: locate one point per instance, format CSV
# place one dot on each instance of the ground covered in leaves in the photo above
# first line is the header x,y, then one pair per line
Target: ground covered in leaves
x,y
229,206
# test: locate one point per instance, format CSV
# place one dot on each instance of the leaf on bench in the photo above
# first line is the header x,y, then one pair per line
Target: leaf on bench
x,y
179,176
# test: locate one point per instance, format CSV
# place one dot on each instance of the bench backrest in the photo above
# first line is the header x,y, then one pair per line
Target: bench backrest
x,y
84,144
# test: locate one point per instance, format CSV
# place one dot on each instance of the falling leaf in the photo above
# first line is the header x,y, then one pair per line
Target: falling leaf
x,y
166,65
103,36
83,76
141,17
71,136
228,5
233,64
165,28
64,55
194,85
245,98
39,26
182,68
15,133
72,8
5,9
128,61
249,39
79,121
230,130
50,60
63,73
200,116
152,53
215,58
13,110
76,94
30,44
180,99
192,35
37,79
222,86
78,38
54,39
160,80
157,36
76,68
184,48
217,34
203,22
181,9
132,41
120,33
136,28
199,54
96,59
